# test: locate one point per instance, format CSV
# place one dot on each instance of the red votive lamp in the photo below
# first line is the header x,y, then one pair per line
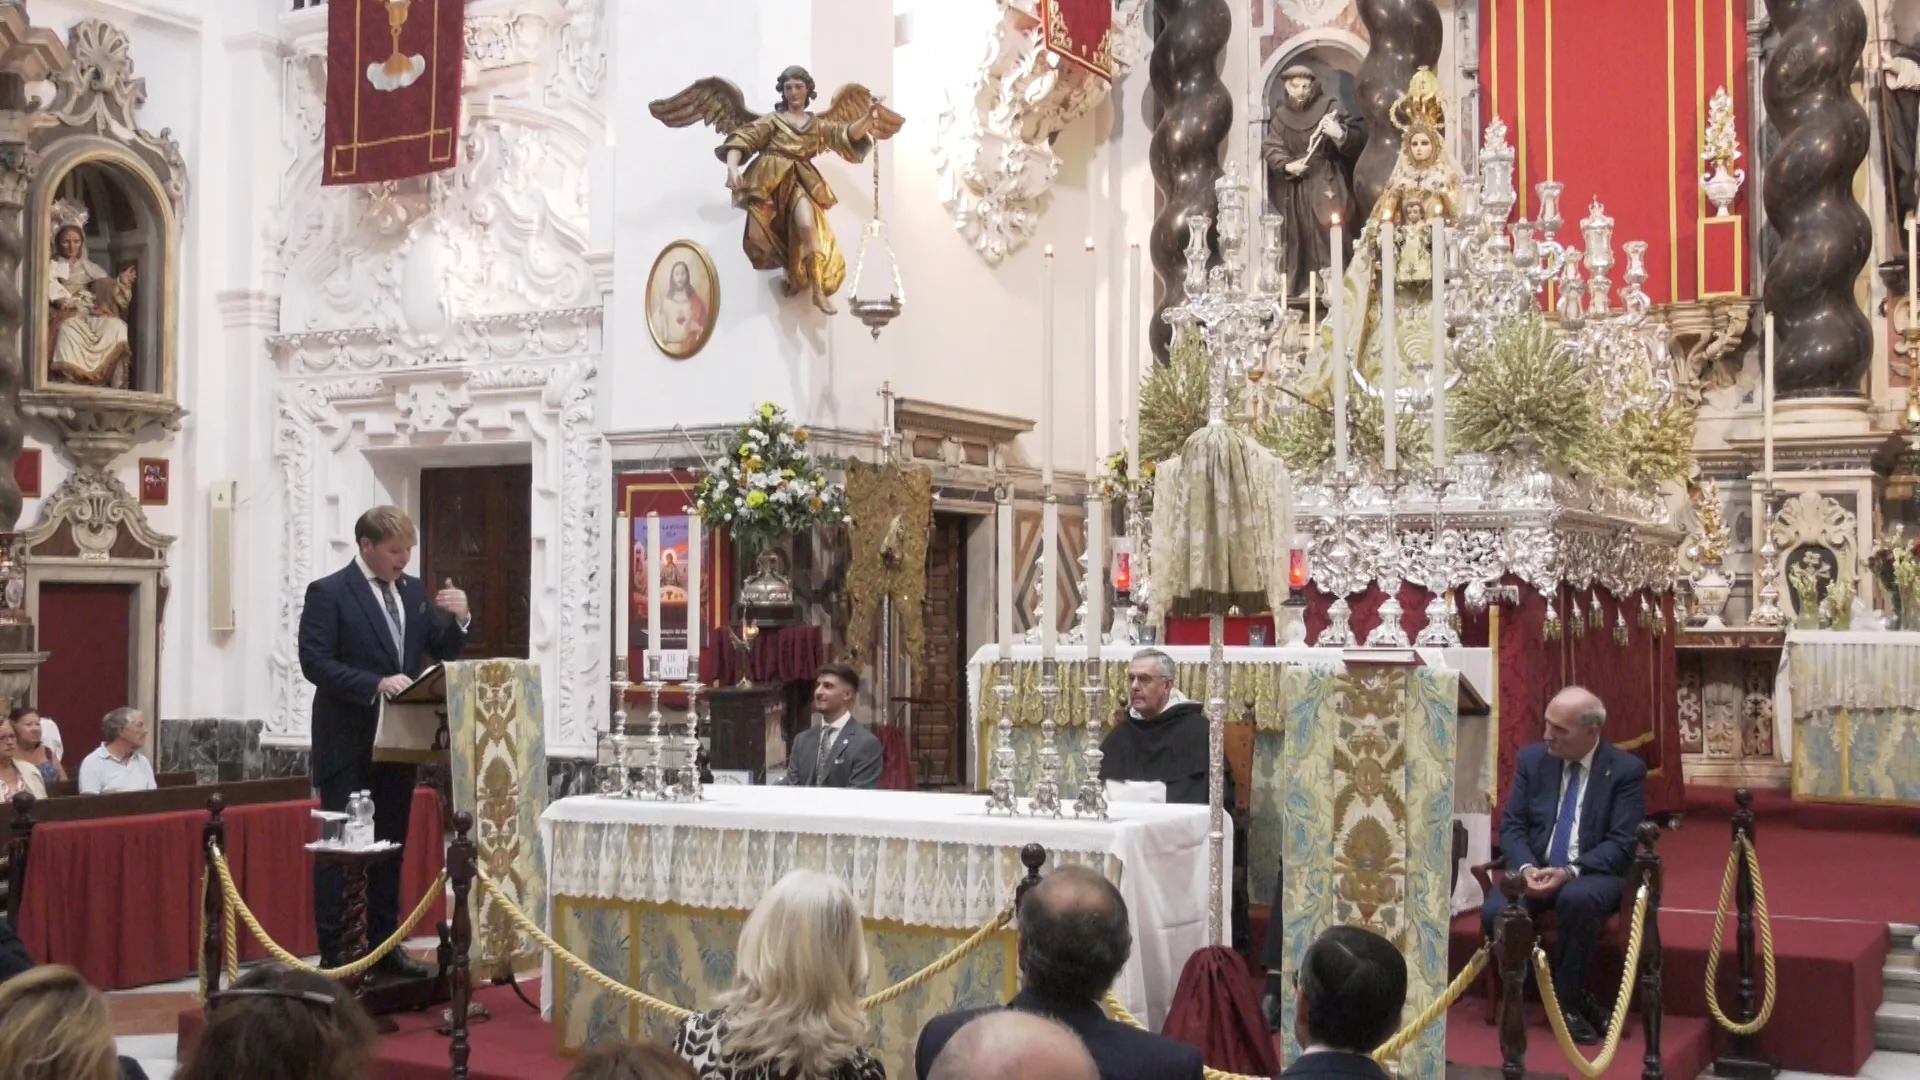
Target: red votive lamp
x,y
1297,569
1123,571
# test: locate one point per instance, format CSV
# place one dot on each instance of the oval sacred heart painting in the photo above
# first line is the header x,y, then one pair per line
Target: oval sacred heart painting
x,y
683,298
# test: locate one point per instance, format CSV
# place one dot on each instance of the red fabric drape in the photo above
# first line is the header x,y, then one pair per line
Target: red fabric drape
x,y
119,898
1214,1011
780,654
896,764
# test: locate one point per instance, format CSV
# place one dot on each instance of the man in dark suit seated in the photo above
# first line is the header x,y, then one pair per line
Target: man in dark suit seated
x,y
841,752
1353,986
364,634
1074,939
1569,827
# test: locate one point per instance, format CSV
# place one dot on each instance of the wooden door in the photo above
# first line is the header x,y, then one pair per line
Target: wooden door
x,y
475,530
86,629
938,722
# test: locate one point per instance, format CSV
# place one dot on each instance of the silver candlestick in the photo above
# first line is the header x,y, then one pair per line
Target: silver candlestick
x,y
1439,632
1000,798
1046,792
614,776
1338,633
1093,791
690,789
1766,612
1389,634
652,785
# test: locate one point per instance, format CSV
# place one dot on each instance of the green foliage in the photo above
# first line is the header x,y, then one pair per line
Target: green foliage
x,y
1529,386
1173,399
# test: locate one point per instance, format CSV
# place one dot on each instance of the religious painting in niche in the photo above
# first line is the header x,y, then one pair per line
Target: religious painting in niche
x,y
153,481
670,494
102,318
683,298
771,173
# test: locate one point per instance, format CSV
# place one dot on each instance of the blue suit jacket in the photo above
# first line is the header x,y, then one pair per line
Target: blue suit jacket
x,y
346,649
1616,803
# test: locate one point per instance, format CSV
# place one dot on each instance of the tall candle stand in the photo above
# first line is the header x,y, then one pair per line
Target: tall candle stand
x,y
1389,634
1045,799
1766,611
1000,797
1125,629
690,789
1439,633
1093,791
652,786
614,776
1338,633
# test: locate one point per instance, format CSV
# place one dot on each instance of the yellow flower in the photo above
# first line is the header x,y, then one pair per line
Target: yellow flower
x,y
767,410
788,473
800,435
816,502
746,449
1146,468
756,498
753,464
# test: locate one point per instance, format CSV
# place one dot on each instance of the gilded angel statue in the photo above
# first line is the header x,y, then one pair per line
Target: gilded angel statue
x,y
785,197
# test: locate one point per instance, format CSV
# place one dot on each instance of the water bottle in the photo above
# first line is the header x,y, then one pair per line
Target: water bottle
x,y
359,819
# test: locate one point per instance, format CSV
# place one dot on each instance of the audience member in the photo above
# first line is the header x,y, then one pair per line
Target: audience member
x,y
1569,829
1013,1045
53,1026
1353,986
279,1023
794,1009
1074,939
630,1061
118,765
39,743
16,776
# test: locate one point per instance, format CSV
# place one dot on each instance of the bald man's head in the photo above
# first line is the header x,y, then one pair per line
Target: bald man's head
x,y
1074,937
1008,1044
1574,719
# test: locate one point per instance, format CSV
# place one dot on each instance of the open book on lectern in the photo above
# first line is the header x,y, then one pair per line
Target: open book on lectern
x,y
413,723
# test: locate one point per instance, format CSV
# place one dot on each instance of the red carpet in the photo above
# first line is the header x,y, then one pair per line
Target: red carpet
x,y
1685,1046
515,1045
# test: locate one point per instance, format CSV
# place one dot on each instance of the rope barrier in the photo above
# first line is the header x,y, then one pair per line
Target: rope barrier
x,y
232,961
1617,1024
236,905
1743,850
674,1012
1386,1052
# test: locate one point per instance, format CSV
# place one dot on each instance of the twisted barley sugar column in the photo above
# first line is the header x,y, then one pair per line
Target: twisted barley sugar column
x,y
1406,37
16,172
1196,111
1824,342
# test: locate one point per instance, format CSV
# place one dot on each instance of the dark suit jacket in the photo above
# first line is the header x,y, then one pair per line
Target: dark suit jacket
x,y
853,761
1334,1065
1616,802
1121,1052
346,649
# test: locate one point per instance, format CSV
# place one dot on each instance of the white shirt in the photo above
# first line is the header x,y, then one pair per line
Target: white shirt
x,y
101,773
833,729
50,738
381,590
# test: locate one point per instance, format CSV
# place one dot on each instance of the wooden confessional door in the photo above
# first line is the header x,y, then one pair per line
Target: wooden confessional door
x,y
939,712
86,629
475,529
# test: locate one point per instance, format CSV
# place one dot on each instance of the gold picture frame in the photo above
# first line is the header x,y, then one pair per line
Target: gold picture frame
x,y
681,315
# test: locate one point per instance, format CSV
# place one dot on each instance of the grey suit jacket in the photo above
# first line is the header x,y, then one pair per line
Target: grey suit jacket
x,y
853,761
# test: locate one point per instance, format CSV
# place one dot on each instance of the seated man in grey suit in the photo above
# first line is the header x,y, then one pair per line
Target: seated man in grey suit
x,y
840,752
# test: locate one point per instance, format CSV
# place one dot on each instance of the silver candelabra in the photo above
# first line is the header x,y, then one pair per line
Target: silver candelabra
x,y
1000,793
1439,632
1046,791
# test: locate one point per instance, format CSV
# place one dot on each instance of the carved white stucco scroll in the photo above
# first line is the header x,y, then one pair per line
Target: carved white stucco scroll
x,y
994,150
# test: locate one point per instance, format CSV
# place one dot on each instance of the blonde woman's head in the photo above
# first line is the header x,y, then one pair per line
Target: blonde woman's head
x,y
53,1026
801,964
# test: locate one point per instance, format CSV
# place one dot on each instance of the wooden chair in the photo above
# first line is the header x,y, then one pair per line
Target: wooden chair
x,y
1614,933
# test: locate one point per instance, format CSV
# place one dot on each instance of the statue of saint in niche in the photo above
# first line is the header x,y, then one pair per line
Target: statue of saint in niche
x,y
87,334
1310,147
1899,102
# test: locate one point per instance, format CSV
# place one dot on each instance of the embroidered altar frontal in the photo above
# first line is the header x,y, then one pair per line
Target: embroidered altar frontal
x,y
1854,697
499,766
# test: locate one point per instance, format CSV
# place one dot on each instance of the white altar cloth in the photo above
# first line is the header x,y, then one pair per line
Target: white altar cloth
x,y
923,859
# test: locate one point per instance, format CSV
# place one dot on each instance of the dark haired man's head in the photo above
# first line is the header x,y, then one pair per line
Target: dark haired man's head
x,y
1074,937
1353,985
834,688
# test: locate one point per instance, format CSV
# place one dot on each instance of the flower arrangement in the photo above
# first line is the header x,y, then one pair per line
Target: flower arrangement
x,y
1896,563
762,484
1114,482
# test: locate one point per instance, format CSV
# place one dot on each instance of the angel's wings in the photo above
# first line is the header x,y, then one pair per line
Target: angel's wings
x,y
712,100
852,102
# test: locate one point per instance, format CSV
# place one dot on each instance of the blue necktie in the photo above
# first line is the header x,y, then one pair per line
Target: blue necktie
x,y
1563,825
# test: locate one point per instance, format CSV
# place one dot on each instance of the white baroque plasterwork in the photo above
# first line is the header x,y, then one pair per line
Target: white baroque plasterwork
x,y
325,425
1309,14
994,149
100,94
97,507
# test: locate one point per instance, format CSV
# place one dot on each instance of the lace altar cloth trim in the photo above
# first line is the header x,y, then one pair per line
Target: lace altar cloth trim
x,y
1853,669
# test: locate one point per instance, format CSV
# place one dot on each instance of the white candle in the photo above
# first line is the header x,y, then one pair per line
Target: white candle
x,y
1046,374
696,623
1766,403
1338,314
1049,578
653,585
1133,363
1439,368
1313,311
1003,575
1389,352
1096,585
1093,371
623,585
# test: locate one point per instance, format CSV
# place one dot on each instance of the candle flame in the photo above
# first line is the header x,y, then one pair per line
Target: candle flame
x,y
1336,219
1049,251
1089,243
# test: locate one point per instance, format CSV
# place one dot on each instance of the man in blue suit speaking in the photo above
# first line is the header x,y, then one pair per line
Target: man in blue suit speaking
x,y
1569,828
362,635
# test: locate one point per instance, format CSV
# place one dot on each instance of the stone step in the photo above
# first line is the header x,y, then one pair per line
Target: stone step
x,y
1902,984
1896,1026
1901,938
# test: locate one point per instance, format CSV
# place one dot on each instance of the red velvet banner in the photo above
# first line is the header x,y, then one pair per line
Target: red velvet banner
x,y
1078,30
393,88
